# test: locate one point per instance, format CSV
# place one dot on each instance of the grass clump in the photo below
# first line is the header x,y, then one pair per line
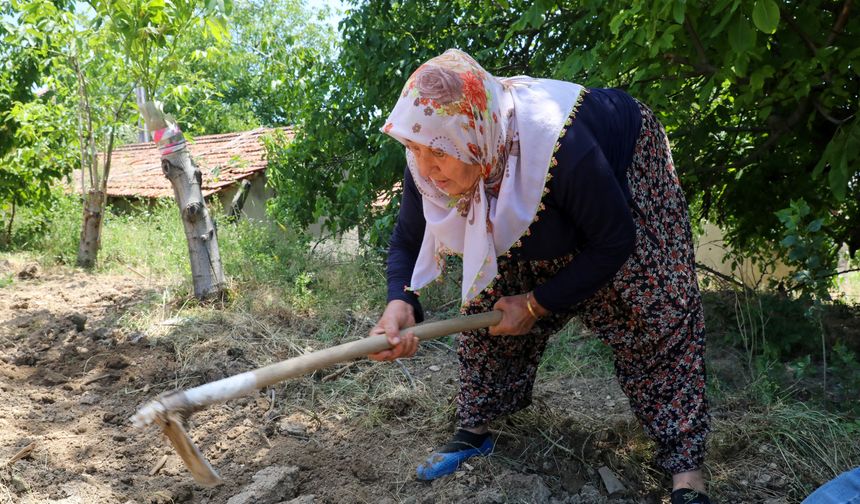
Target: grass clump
x,y
792,447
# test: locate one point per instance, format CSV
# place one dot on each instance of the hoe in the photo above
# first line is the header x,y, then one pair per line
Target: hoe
x,y
171,409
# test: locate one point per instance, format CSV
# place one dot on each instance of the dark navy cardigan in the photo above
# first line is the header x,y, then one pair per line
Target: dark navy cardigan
x,y
587,212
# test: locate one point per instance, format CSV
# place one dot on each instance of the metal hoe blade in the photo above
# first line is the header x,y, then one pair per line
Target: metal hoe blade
x,y
200,468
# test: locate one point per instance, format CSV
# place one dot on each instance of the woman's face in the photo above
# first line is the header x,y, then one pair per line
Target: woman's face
x,y
450,175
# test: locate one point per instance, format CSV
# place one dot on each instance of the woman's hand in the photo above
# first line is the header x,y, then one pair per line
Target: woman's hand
x,y
397,315
516,319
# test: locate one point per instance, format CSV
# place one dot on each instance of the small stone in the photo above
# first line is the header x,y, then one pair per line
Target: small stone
x,y
434,368
270,486
303,499
235,432
79,320
99,334
117,362
88,398
25,359
182,493
136,338
763,478
30,271
525,487
292,428
42,398
588,495
610,481
18,484
49,377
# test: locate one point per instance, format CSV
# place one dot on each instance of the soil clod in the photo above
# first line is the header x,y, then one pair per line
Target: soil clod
x,y
272,485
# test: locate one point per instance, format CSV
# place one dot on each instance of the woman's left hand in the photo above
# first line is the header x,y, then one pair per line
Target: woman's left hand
x,y
516,318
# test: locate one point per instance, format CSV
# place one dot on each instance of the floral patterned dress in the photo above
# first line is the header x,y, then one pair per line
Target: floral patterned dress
x,y
650,314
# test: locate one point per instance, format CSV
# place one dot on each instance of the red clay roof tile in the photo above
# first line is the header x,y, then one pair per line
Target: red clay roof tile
x,y
223,160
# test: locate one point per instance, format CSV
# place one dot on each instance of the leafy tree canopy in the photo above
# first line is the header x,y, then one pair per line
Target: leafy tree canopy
x,y
759,98
256,74
36,126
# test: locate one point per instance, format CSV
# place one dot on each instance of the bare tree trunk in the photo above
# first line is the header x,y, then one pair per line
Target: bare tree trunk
x,y
200,232
88,247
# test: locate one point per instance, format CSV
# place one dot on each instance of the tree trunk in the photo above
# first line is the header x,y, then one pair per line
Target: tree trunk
x,y
88,247
200,232
206,271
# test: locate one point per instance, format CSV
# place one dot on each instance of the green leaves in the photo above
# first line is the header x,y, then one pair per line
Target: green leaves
x,y
753,105
679,8
766,16
841,157
742,36
808,248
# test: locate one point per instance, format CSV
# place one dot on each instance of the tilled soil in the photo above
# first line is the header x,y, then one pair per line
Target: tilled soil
x,y
72,373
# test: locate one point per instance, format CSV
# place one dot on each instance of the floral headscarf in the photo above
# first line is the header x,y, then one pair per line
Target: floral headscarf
x,y
450,103
455,107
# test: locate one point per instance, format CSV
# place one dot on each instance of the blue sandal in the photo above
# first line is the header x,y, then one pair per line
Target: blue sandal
x,y
448,459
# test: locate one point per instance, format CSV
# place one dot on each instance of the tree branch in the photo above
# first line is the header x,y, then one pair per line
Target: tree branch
x,y
796,28
722,276
704,64
109,150
89,141
840,22
830,118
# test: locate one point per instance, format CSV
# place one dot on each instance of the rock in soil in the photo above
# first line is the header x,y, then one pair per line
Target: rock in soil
x,y
526,488
48,377
117,362
79,319
290,428
272,485
18,484
588,495
611,482
302,499
29,272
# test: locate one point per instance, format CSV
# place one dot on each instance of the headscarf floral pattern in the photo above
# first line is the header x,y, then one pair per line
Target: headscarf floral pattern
x,y
453,90
451,104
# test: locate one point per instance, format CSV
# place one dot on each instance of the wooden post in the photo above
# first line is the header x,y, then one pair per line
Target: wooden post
x,y
200,231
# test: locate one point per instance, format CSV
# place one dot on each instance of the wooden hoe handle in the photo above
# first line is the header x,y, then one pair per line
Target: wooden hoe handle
x,y
167,410
298,366
246,383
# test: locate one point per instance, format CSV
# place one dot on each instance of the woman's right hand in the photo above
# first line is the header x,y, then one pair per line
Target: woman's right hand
x,y
397,315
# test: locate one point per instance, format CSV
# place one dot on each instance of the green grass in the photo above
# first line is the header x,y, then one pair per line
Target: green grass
x,y
572,352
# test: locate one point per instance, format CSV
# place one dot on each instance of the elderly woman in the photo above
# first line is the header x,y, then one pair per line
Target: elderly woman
x,y
562,202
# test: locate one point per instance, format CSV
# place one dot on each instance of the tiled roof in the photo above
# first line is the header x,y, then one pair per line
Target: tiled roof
x,y
222,159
